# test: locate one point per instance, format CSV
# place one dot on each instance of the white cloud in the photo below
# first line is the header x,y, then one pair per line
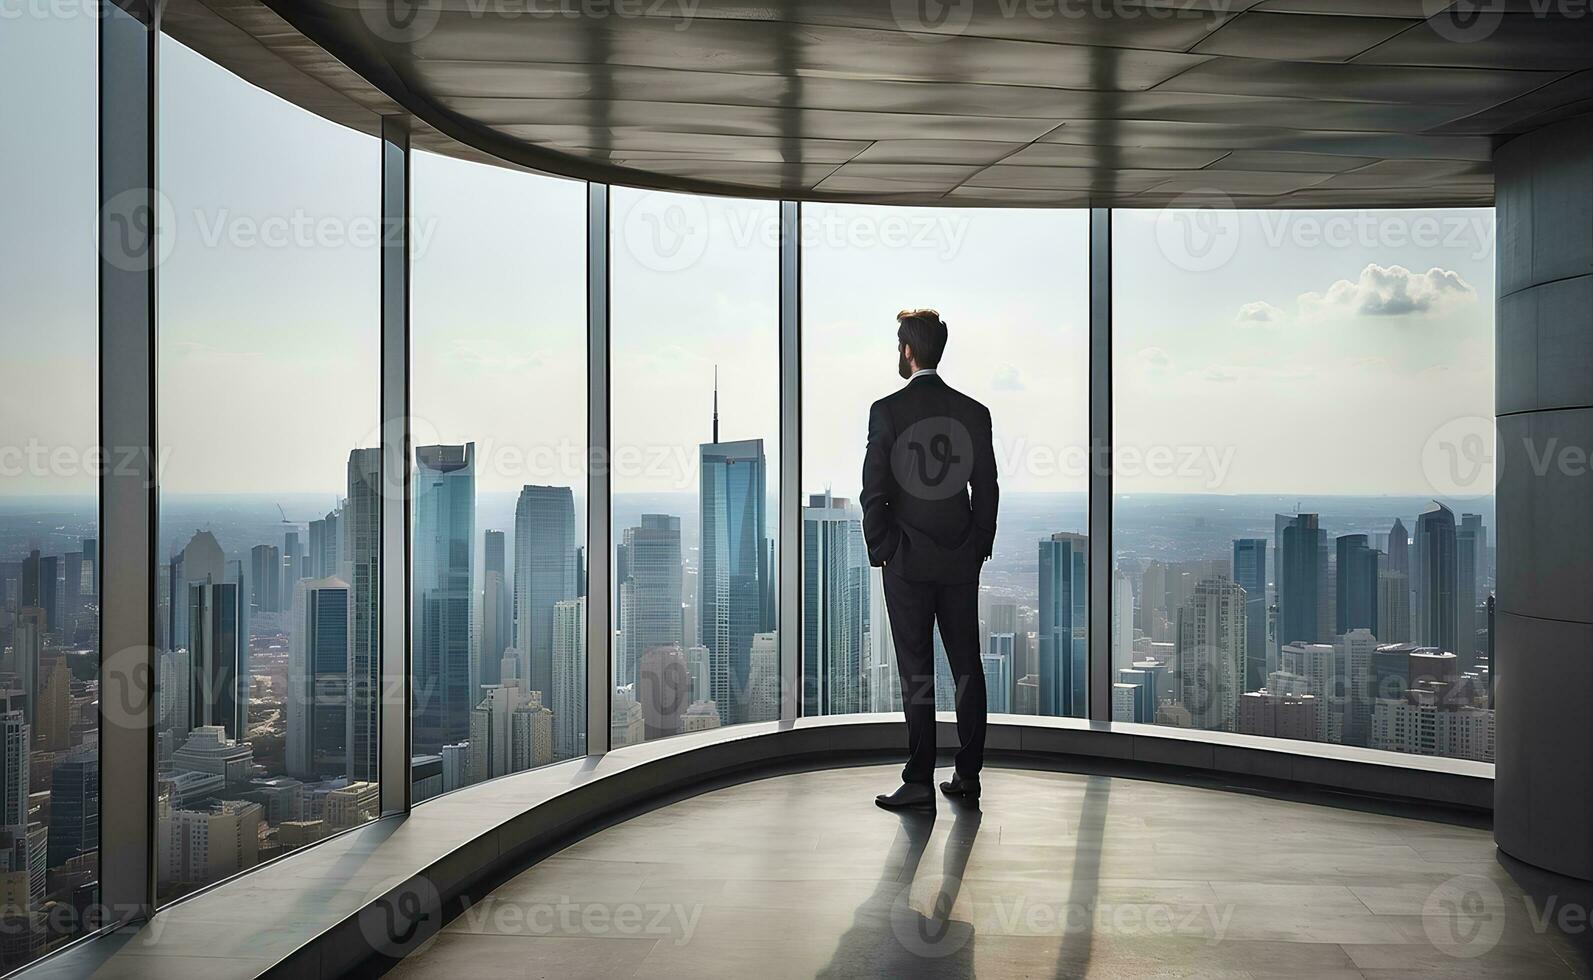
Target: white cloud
x,y
1259,313
1221,375
1007,379
1390,291
1154,360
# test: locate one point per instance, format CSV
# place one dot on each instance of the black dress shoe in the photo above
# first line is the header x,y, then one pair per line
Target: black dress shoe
x,y
958,787
912,796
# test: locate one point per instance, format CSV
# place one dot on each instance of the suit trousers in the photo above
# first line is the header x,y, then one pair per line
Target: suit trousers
x,y
915,608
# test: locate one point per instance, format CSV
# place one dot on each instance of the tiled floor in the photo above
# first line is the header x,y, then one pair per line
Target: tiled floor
x,y
1054,875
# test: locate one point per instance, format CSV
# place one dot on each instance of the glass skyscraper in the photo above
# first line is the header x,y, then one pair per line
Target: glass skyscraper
x,y
835,606
444,540
1064,623
733,599
544,575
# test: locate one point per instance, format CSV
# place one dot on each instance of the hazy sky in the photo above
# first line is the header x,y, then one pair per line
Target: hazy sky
x,y
1307,352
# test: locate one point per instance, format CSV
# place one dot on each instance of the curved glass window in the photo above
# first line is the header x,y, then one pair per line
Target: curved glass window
x,y
694,389
1303,475
49,489
269,366
1013,289
497,342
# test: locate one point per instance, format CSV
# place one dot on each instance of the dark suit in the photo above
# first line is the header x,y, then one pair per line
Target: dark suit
x,y
928,447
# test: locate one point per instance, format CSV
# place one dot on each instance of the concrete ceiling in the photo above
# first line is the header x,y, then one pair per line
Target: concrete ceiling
x,y
1131,103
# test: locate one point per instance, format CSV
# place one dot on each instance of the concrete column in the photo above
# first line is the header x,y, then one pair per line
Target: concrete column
x,y
1544,619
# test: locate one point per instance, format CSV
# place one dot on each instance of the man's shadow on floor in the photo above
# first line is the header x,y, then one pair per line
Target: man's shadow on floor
x,y
891,938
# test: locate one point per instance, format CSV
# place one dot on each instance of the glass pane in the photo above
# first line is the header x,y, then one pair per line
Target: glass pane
x,y
696,405
497,361
49,472
1012,287
1304,476
271,479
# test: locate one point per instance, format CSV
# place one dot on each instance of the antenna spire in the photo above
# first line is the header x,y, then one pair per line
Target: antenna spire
x,y
716,403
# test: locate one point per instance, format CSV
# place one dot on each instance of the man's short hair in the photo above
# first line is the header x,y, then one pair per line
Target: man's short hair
x,y
925,332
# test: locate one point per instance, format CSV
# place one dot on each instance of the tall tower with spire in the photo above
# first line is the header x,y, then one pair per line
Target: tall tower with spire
x,y
735,573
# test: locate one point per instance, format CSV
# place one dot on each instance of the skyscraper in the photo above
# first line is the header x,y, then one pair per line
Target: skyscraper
x,y
443,561
544,575
265,578
649,597
1299,580
324,544
1469,546
1210,653
568,696
735,570
998,660
293,565
1393,606
1064,623
218,653
1122,619
835,606
1250,574
1435,587
360,527
75,805
497,613
1356,585
318,659
1399,548
40,577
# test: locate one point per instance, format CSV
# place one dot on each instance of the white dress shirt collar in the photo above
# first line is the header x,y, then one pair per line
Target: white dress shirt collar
x,y
921,371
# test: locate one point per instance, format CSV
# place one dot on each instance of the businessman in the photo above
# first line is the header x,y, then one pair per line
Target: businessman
x,y
929,517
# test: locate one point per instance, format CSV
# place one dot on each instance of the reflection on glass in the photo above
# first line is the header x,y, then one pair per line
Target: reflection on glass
x,y
268,626
1012,287
500,427
1296,554
49,559
695,390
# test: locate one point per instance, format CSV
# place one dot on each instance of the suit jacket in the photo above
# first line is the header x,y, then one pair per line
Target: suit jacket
x,y
929,483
